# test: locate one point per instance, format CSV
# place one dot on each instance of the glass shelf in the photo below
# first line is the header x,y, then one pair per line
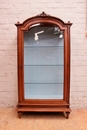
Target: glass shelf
x,y
43,65
42,46
42,83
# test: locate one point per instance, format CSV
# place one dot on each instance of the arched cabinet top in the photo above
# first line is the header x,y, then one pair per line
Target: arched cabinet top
x,y
43,18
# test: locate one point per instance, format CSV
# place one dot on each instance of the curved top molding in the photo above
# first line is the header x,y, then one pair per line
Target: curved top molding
x,y
42,17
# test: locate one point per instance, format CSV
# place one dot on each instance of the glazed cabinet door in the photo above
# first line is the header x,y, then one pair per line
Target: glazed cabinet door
x,y
43,62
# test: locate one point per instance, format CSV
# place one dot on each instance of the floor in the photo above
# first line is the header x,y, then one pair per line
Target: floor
x,y
43,121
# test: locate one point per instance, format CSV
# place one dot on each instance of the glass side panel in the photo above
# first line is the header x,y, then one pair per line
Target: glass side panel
x,y
43,63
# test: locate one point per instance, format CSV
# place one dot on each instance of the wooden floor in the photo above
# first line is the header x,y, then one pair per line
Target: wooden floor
x,y
43,121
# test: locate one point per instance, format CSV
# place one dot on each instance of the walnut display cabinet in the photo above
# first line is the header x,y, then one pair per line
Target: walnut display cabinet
x,y
43,44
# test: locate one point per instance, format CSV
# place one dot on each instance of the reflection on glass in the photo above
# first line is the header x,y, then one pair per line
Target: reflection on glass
x,y
43,63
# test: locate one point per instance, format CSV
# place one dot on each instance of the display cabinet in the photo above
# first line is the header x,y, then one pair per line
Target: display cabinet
x,y
43,44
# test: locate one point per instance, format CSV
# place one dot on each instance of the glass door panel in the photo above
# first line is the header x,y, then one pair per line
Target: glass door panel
x,y
43,63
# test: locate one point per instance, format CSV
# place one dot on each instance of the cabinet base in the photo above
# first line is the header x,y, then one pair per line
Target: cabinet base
x,y
66,111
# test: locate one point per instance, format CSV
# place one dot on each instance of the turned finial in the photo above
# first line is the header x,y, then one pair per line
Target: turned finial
x,y
18,22
68,21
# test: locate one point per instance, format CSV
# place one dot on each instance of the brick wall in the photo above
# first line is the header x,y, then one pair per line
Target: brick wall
x,y
12,11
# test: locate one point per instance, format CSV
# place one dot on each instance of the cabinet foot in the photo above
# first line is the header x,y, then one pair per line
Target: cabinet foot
x,y
19,114
67,115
